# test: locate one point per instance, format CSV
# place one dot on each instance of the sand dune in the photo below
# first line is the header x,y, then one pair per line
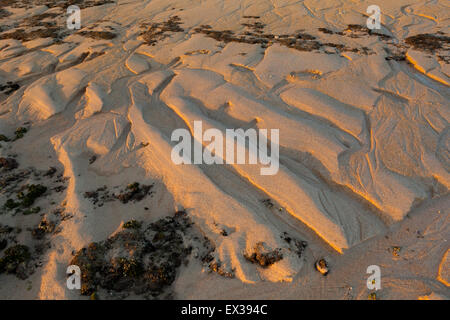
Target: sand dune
x,y
364,163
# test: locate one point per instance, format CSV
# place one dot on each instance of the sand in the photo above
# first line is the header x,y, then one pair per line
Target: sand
x,y
364,139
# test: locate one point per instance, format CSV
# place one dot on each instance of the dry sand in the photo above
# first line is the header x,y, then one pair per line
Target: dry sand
x,y
364,139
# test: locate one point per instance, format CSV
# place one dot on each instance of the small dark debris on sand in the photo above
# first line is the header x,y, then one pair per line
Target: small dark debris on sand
x,y
26,197
4,13
53,3
132,224
15,261
429,42
212,263
158,31
31,193
445,59
263,256
98,35
50,172
357,31
47,23
7,235
82,4
396,251
21,34
8,163
397,57
21,187
268,203
45,227
20,132
298,246
21,259
9,87
9,181
217,267
133,192
254,34
38,20
256,26
354,29
328,31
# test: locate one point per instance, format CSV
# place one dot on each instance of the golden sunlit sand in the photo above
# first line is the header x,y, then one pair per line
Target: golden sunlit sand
x,y
364,143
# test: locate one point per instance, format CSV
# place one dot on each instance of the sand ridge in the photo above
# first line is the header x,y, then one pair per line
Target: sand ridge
x,y
363,119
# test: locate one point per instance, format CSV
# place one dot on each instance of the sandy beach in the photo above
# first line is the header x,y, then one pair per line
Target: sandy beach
x,y
356,125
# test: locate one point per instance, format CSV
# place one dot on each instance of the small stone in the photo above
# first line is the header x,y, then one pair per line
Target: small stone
x,y
322,266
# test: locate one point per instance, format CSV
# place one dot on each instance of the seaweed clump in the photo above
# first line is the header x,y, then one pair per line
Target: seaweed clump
x,y
159,31
217,267
83,3
54,3
7,235
134,192
34,191
98,35
26,198
9,87
429,42
301,41
298,246
132,224
136,259
21,34
4,13
20,133
15,261
44,227
8,163
264,257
